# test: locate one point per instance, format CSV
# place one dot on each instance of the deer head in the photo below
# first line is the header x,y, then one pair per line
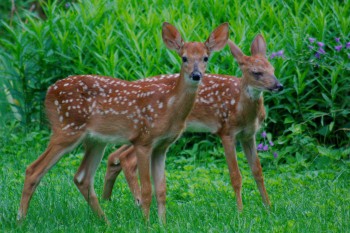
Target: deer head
x,y
194,55
258,73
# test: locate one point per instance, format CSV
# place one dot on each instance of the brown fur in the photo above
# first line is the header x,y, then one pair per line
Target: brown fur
x,y
224,106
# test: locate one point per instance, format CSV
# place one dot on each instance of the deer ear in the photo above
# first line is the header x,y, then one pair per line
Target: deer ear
x,y
218,38
236,52
171,37
258,46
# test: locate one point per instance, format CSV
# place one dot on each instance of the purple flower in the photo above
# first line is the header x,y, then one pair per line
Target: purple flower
x,y
312,40
271,143
260,147
275,155
311,47
337,39
277,54
321,51
263,134
67,5
348,45
317,55
280,53
338,47
265,148
321,44
273,55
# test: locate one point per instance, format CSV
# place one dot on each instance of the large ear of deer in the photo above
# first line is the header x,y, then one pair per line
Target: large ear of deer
x,y
171,37
258,46
236,52
218,38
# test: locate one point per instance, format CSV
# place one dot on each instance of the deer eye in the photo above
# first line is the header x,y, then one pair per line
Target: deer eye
x,y
184,59
205,59
256,74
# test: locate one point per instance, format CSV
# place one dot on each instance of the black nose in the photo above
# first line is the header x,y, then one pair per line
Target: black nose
x,y
279,87
196,75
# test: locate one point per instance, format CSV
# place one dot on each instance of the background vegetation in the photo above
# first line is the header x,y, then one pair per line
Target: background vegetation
x,y
308,122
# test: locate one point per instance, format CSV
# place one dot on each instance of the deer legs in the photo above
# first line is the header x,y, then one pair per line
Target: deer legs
x,y
249,148
84,178
158,175
127,159
143,154
129,165
57,147
122,159
235,175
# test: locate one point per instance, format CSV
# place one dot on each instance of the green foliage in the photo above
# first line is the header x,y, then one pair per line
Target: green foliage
x,y
123,40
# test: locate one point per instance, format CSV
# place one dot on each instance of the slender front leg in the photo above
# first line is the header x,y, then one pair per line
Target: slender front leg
x,y
158,175
249,148
143,154
235,175
84,178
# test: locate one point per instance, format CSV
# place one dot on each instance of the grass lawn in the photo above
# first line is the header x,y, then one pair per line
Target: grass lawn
x,y
199,197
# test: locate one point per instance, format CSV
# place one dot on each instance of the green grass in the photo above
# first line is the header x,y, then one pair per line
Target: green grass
x,y
199,196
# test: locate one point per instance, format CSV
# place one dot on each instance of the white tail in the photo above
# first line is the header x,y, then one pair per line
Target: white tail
x,y
97,110
230,107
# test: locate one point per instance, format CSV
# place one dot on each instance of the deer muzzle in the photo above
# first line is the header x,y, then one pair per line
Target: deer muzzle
x,y
279,86
196,76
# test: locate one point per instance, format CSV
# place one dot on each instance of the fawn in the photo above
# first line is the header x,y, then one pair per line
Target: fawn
x,y
97,110
230,107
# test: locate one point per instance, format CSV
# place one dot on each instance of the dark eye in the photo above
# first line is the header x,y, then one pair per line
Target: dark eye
x,y
184,59
257,74
205,59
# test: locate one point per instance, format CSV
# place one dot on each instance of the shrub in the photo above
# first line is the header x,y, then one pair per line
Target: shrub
x,y
123,40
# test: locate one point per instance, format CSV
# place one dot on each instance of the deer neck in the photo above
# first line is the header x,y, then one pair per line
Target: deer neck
x,y
183,97
251,100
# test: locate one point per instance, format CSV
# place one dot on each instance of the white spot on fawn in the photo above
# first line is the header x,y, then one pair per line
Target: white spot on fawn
x,y
80,176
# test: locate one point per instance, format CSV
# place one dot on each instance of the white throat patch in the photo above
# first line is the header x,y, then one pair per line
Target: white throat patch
x,y
253,93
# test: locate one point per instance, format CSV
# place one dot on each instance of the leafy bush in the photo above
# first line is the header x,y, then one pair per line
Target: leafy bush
x,y
123,40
